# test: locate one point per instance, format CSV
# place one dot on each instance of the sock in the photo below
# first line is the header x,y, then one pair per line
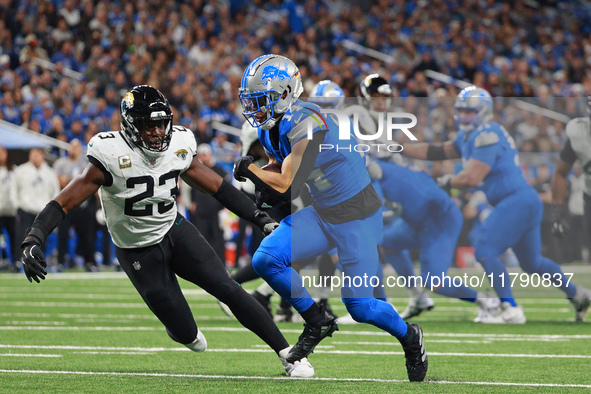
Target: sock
x,y
510,300
313,315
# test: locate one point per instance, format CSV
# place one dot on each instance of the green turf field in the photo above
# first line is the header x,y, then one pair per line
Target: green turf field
x,y
92,333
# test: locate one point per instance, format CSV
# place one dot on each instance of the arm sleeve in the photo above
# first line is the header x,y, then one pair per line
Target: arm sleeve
x,y
567,154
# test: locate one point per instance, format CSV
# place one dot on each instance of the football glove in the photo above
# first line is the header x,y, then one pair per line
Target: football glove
x,y
34,263
241,168
444,182
560,227
265,222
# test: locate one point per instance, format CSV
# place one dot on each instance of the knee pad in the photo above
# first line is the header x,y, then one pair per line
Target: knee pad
x,y
359,308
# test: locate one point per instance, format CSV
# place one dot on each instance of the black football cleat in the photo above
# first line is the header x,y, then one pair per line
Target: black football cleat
x,y
414,351
312,336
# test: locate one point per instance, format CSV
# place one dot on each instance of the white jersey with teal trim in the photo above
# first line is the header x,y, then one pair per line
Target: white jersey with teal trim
x,y
139,197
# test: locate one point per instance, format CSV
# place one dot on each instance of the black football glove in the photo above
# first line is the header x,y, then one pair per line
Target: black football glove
x,y
558,215
265,222
34,263
241,168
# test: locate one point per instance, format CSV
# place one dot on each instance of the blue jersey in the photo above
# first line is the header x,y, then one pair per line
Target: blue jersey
x,y
339,173
414,190
491,144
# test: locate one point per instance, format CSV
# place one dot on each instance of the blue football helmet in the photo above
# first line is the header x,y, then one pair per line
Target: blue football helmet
x,y
270,85
478,100
327,94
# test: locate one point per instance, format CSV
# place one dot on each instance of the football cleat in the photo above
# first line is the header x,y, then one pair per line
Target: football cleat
x,y
199,344
263,300
417,362
298,369
312,336
506,314
581,301
418,305
283,315
488,304
226,309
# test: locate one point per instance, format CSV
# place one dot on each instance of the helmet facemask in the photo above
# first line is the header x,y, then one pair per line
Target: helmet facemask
x,y
146,118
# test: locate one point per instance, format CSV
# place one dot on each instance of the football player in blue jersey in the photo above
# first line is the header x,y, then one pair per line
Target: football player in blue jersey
x,y
491,162
428,220
345,212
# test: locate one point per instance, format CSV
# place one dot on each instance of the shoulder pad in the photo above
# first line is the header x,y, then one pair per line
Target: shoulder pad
x,y
485,139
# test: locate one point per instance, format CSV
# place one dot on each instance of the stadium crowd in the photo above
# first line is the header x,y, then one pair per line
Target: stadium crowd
x,y
65,64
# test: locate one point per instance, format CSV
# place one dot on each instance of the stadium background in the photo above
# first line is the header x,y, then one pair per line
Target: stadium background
x,y
64,65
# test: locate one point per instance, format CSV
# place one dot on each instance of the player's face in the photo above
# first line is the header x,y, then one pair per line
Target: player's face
x,y
379,102
466,115
153,133
252,104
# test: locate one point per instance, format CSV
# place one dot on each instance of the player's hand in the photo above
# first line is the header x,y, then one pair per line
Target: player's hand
x,y
34,263
560,227
444,182
265,222
241,167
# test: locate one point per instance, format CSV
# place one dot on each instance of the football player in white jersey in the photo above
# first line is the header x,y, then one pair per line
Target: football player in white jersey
x,y
136,171
576,147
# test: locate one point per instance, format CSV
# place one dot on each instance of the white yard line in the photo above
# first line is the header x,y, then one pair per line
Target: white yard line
x,y
319,351
509,337
232,377
30,355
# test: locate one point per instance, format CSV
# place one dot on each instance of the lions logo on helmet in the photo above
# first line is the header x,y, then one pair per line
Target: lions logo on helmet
x,y
269,87
474,107
327,94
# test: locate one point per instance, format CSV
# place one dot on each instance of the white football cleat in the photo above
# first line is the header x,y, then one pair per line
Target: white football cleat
x,y
226,309
297,369
506,314
199,344
418,305
581,301
488,304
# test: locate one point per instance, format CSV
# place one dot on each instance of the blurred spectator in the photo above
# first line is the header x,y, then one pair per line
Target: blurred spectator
x,y
36,185
205,209
8,203
82,219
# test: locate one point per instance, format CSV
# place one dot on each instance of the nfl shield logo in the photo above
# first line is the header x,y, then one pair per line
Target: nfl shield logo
x,y
137,265
152,160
